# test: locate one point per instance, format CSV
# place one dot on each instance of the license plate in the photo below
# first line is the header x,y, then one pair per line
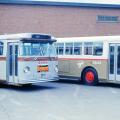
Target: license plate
x,y
42,68
43,76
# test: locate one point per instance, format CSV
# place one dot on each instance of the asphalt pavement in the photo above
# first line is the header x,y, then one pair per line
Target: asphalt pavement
x,y
60,101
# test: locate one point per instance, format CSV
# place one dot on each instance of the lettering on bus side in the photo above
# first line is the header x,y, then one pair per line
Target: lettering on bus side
x,y
98,62
80,64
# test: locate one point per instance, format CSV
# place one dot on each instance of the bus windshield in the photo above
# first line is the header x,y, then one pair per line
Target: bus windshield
x,y
37,49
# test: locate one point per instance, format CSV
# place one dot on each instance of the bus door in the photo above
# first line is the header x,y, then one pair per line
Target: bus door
x,y
114,62
12,62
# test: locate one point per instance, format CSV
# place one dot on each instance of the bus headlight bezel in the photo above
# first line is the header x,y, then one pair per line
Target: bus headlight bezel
x,y
26,69
56,68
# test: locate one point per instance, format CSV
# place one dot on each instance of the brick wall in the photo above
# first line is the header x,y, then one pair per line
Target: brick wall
x,y
58,21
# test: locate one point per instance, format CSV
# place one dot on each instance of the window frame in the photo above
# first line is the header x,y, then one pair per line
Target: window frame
x,y
88,48
97,44
70,48
80,48
92,49
1,48
107,19
58,48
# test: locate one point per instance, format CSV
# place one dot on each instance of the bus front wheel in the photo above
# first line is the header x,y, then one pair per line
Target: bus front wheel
x,y
90,76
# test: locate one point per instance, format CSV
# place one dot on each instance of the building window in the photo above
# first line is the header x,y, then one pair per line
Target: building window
x,y
105,18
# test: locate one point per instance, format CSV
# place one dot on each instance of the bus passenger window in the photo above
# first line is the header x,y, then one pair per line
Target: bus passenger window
x,y
77,48
88,48
69,48
97,49
1,48
60,48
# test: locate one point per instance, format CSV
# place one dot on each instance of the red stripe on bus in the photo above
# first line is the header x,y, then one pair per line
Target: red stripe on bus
x,y
2,58
82,59
37,59
33,59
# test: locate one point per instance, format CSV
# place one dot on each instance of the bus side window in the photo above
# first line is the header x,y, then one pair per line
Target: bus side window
x,y
77,48
60,48
88,48
97,48
68,48
1,48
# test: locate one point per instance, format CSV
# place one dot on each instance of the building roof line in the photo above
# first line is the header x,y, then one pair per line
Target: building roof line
x,y
67,4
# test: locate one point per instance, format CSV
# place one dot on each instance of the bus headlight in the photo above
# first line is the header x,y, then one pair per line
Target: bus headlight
x,y
26,69
56,68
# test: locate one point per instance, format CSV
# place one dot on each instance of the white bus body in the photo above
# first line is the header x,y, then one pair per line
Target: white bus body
x,y
27,58
89,59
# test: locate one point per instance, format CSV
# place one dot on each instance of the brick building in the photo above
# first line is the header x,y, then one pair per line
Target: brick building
x,y
60,19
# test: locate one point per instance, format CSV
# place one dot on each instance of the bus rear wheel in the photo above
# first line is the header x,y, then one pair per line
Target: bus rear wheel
x,y
90,76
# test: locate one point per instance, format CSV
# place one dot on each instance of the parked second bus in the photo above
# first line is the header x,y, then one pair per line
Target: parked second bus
x,y
27,58
89,59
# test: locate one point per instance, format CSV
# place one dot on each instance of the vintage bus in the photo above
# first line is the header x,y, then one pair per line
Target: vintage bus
x,y
89,59
27,58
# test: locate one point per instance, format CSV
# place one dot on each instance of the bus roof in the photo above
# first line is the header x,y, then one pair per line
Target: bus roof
x,y
25,35
89,38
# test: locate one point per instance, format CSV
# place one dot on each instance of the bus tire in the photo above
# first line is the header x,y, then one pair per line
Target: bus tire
x,y
90,76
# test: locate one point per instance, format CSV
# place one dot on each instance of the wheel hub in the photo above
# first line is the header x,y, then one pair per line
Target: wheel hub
x,y
89,76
